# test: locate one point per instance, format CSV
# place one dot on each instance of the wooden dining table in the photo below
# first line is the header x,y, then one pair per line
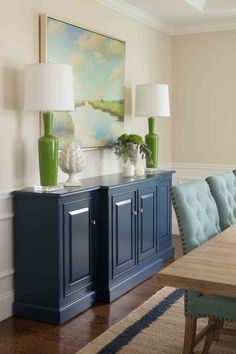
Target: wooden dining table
x,y
209,269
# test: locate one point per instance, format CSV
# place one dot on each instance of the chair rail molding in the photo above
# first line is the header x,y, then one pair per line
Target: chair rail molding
x,y
200,166
6,256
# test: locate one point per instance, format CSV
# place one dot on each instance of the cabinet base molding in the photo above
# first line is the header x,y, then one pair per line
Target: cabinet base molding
x,y
108,295
54,315
167,253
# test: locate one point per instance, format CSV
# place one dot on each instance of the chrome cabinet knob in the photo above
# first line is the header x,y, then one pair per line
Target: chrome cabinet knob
x,y
135,212
140,210
93,222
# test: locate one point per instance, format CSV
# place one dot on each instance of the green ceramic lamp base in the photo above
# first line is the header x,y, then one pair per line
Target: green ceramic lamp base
x,y
48,153
152,141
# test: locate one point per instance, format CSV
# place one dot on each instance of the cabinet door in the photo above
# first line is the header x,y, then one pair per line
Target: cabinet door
x,y
147,235
123,232
78,245
164,211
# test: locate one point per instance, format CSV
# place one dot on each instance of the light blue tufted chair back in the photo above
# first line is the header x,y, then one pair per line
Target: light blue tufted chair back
x,y
223,189
196,212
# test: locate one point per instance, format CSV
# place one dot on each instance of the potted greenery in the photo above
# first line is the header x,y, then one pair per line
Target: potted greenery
x,y
127,148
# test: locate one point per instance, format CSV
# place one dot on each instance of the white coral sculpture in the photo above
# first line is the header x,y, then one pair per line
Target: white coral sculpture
x,y
72,161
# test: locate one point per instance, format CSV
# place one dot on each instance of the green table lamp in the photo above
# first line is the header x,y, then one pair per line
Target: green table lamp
x,y
152,100
48,88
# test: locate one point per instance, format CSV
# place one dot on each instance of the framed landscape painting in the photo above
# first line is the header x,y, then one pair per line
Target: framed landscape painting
x,y
98,68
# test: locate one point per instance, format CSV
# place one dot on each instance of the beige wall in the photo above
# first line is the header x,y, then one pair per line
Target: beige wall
x,y
204,98
148,59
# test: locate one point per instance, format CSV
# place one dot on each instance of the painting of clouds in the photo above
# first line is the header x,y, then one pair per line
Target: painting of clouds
x,y
98,69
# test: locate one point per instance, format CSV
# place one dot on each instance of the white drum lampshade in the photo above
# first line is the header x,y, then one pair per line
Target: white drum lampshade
x,y
49,87
152,100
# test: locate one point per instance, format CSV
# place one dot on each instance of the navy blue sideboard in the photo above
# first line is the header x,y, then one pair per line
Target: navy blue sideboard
x,y
76,246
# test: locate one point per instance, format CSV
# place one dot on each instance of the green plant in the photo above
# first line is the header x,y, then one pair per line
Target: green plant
x,y
127,147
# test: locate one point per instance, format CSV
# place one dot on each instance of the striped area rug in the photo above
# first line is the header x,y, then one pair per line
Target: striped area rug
x,y
156,327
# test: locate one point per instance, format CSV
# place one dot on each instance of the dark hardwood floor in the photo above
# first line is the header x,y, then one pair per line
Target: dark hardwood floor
x,y
21,336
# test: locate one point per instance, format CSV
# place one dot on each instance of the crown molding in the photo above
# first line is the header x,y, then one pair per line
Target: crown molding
x,y
143,17
137,14
216,26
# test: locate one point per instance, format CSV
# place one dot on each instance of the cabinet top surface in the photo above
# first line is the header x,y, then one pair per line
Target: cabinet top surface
x,y
94,183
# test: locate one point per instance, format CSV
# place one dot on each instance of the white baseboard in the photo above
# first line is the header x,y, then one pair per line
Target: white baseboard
x,y
6,302
6,256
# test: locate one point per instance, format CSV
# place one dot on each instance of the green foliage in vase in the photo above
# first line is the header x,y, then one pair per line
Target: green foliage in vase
x,y
127,147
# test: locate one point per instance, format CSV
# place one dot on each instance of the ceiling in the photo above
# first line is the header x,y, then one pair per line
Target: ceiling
x,y
179,16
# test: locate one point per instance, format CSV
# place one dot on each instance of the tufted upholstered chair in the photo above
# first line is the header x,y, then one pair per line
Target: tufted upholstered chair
x,y
223,189
198,221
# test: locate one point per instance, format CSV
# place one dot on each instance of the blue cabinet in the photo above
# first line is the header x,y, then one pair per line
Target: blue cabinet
x,y
76,246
